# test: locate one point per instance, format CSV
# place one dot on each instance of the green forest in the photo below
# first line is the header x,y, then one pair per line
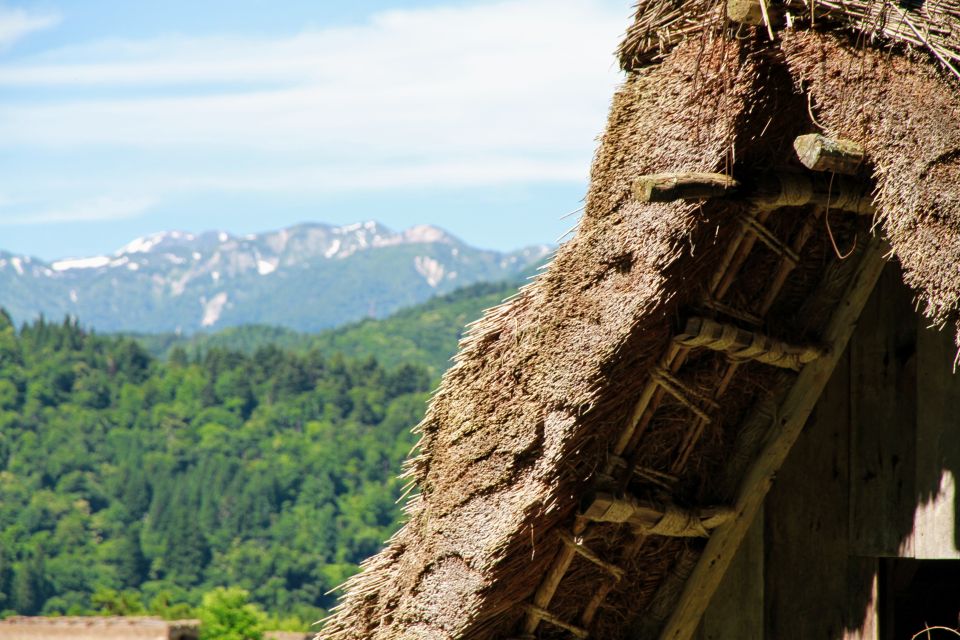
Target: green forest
x,y
130,483
167,475
424,334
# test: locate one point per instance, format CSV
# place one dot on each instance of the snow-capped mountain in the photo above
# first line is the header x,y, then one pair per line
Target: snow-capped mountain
x,y
307,277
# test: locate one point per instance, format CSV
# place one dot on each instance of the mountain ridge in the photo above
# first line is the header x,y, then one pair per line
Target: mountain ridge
x,y
307,277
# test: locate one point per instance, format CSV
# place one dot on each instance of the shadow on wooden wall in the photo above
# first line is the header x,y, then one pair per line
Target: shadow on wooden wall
x,y
865,507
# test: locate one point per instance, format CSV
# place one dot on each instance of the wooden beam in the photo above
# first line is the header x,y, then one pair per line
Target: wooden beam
x,y
781,435
819,153
668,187
765,191
798,189
755,13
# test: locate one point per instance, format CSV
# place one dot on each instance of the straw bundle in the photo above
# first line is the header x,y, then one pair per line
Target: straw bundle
x,y
933,25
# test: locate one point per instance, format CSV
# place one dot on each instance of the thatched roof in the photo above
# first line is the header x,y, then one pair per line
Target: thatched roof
x,y
585,440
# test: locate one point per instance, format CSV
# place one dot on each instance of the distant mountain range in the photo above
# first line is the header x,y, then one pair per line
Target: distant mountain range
x,y
307,278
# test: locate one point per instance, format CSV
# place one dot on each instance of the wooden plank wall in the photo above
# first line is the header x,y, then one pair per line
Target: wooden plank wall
x,y
736,611
873,476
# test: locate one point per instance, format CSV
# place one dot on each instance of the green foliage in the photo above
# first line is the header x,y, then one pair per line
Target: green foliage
x,y
227,614
130,484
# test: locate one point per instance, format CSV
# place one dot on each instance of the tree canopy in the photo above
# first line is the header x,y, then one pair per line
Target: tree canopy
x,y
131,484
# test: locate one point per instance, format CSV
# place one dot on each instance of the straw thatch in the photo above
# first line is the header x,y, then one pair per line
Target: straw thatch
x,y
575,385
931,25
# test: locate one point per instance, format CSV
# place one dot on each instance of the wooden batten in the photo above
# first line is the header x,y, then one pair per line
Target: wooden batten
x,y
543,614
585,552
740,344
820,153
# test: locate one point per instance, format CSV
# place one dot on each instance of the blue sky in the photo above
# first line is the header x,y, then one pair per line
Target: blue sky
x,y
119,118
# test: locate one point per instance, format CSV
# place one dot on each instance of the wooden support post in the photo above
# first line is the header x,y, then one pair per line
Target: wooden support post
x,y
820,153
780,437
667,187
656,520
741,344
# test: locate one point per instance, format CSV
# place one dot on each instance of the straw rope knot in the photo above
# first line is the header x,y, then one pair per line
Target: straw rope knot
x,y
677,523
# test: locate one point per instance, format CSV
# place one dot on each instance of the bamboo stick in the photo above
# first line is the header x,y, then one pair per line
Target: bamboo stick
x,y
551,581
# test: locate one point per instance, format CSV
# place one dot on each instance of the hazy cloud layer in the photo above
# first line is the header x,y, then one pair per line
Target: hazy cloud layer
x,y
16,24
490,93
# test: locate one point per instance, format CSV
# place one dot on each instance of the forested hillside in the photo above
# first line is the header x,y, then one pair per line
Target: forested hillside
x,y
426,334
124,476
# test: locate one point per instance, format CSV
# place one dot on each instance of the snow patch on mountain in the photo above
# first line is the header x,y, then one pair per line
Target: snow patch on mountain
x,y
431,270
425,233
265,267
213,308
79,263
141,245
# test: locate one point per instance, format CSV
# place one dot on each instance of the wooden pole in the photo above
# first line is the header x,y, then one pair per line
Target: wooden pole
x,y
781,435
668,187
766,191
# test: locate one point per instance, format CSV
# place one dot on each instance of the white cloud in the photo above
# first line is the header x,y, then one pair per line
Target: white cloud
x,y
101,208
488,93
16,24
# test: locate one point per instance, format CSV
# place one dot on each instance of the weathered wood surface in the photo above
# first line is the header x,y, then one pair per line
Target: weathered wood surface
x,y
796,189
792,416
814,587
767,191
736,612
937,448
667,187
820,153
883,424
745,11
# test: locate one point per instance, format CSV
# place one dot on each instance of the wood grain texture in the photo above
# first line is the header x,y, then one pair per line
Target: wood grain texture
x,y
883,425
